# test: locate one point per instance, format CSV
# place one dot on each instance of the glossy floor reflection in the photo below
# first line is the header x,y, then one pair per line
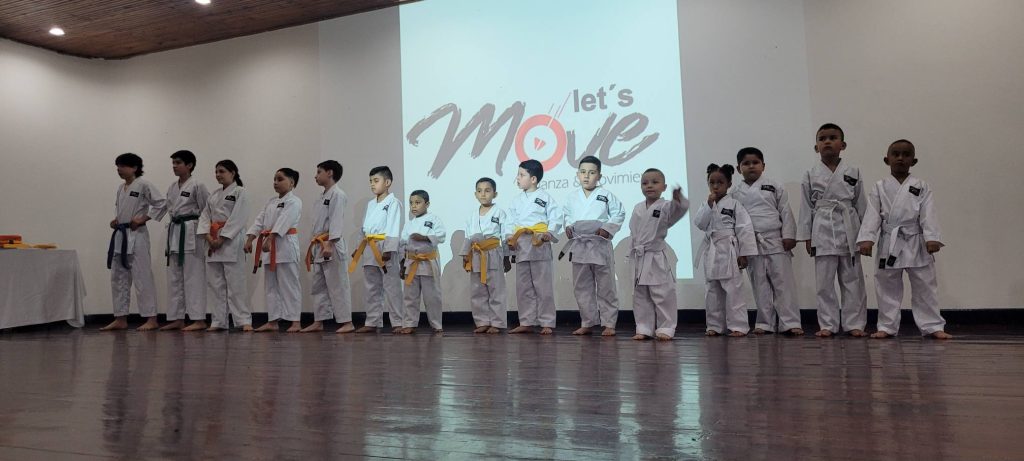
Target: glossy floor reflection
x,y
80,394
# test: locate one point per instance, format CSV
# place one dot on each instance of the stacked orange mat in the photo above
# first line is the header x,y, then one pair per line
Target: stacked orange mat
x,y
14,242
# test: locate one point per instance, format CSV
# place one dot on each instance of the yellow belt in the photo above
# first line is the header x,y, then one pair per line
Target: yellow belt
x,y
372,240
417,258
482,247
537,230
321,239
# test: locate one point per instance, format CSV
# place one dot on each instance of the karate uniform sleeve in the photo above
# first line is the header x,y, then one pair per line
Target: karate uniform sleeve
x,y
929,221
394,228
803,228
336,218
512,215
438,234
156,201
257,225
236,221
556,219
403,239
703,217
616,215
202,196
786,214
859,200
872,219
746,241
676,211
287,218
203,226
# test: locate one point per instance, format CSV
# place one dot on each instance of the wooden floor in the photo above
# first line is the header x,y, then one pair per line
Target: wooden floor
x,y
67,394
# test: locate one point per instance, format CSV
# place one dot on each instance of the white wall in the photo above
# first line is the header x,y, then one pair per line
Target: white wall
x,y
944,74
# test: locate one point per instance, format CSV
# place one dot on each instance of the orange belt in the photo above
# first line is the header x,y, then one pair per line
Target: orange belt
x,y
482,247
319,239
417,258
215,228
369,239
273,250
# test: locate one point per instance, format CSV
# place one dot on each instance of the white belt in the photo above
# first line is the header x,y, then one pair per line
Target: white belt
x,y
894,232
851,232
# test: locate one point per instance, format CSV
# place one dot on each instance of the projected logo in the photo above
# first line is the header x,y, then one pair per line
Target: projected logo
x,y
541,137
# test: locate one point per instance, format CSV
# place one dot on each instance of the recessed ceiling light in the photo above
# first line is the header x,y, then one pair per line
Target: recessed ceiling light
x,y
57,31
203,2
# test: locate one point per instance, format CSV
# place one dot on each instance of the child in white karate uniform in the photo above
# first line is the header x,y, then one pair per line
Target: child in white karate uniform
x,y
420,267
277,251
484,258
222,225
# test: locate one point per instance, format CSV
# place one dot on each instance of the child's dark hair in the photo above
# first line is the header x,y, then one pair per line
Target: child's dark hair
x,y
333,166
655,170
290,174
421,194
494,186
533,168
749,151
383,171
230,166
726,170
131,160
904,141
592,160
831,126
186,157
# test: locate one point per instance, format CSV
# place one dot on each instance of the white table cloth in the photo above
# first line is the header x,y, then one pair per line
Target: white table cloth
x,y
40,286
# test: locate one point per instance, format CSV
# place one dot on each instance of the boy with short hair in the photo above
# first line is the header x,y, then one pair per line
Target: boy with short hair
x,y
484,258
832,202
327,252
382,231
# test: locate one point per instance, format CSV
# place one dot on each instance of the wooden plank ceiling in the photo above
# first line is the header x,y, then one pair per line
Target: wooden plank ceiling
x,y
118,29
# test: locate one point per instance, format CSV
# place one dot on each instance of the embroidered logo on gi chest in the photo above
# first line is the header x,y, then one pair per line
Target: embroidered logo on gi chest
x,y
729,212
768,187
602,198
915,191
133,194
386,207
185,194
327,201
280,205
494,219
850,180
540,202
656,214
429,224
230,197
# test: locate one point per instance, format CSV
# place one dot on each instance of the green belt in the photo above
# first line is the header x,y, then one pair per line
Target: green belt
x,y
180,220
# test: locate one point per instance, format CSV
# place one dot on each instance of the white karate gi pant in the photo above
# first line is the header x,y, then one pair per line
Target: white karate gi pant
x,y
771,279
594,285
923,299
724,305
535,293
332,292
487,301
284,294
425,287
655,306
187,286
383,291
227,282
140,275
854,314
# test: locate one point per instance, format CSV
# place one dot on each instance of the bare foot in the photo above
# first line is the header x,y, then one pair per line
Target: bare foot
x,y
396,330
640,337
482,329
796,331
295,327
664,337
247,328
582,331
150,325
880,335
546,331
711,333
858,333
737,334
175,325
941,335
759,331
195,326
407,331
119,323
520,329
313,327
438,332
823,334
366,329
347,327
269,326
493,330
213,329
608,331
